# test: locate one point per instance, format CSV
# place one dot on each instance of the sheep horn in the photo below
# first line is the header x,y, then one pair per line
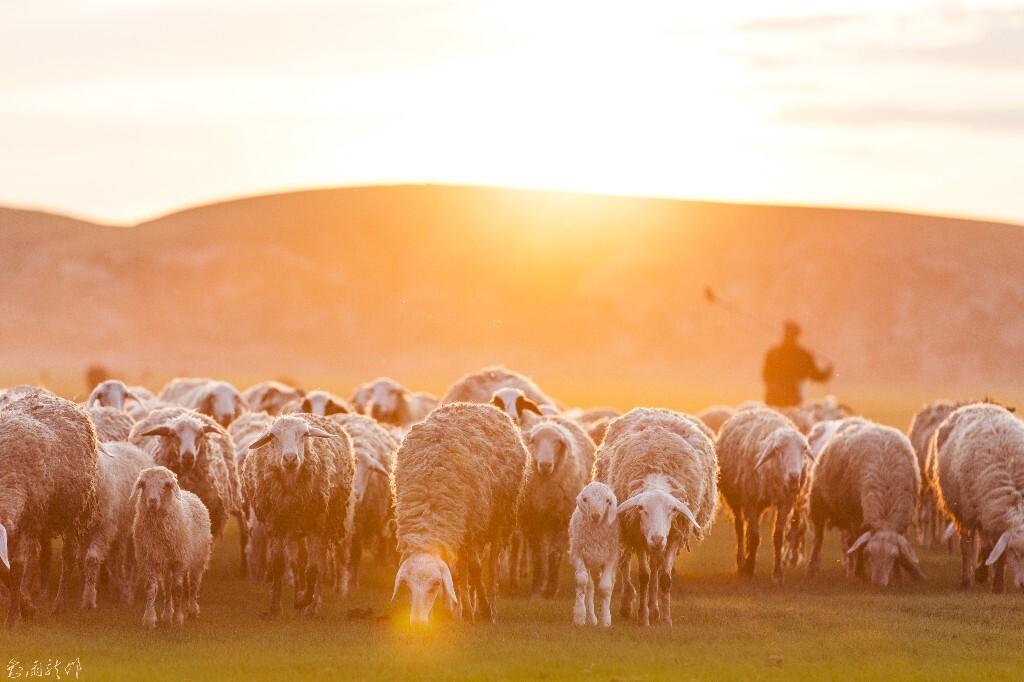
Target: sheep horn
x,y
314,432
261,441
93,397
681,507
527,405
629,504
763,458
158,431
860,541
103,448
3,547
998,550
909,560
372,464
449,586
334,407
950,530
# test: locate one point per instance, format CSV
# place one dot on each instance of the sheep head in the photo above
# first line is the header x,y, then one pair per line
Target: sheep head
x,y
515,403
221,401
182,447
289,436
886,548
111,393
323,404
784,456
657,509
425,575
597,503
548,444
387,401
366,466
1010,544
154,488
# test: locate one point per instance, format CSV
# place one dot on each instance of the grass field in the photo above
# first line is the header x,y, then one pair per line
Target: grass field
x,y
726,628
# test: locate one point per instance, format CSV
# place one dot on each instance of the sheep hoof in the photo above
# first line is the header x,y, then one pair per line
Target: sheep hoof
x,y
310,611
777,580
149,623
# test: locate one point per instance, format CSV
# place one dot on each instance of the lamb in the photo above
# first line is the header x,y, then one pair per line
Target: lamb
x,y
594,545
202,455
319,402
271,397
931,522
762,458
561,455
108,539
111,424
479,387
513,401
374,448
716,416
49,468
217,399
979,471
662,465
112,393
389,402
298,478
865,482
171,534
458,477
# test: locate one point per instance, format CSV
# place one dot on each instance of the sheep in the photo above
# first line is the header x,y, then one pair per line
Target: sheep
x,y
762,459
865,482
389,402
561,456
271,397
716,416
217,399
319,402
172,539
108,539
49,468
112,393
458,477
202,455
513,401
479,387
598,428
931,521
662,465
978,452
244,431
111,423
374,448
594,543
298,477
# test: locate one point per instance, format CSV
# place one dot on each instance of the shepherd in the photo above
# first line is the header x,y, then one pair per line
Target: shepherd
x,y
788,366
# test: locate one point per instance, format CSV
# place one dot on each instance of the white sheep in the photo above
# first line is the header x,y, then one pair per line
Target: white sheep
x,y
172,539
319,402
458,477
271,397
662,465
762,457
865,482
514,403
217,399
391,403
594,546
479,387
113,393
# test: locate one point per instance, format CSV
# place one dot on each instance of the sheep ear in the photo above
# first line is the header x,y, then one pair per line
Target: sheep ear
x,y
158,431
496,401
998,550
610,515
261,441
372,464
93,397
334,407
860,541
134,397
314,432
628,504
909,560
135,490
399,578
3,547
764,457
306,406
241,402
449,586
524,404
950,530
579,499
633,487
685,511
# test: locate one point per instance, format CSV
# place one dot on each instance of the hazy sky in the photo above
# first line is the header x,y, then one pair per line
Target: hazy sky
x,y
120,110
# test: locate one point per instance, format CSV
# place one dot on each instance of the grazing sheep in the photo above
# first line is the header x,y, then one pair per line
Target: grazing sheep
x,y
931,522
762,458
457,481
515,404
716,416
108,538
561,455
171,535
111,423
49,467
374,448
112,393
594,546
662,465
202,455
298,478
217,399
319,402
979,466
480,386
271,397
865,482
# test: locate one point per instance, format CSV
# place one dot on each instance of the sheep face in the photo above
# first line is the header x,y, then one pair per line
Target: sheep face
x,y
221,402
1010,543
366,466
155,487
321,403
886,548
656,510
515,403
181,448
289,436
785,455
548,448
386,400
111,393
426,576
597,503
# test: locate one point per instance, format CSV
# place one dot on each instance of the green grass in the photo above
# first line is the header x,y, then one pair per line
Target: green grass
x,y
726,628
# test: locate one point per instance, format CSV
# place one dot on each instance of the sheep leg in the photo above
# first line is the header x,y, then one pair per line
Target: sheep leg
x,y
476,584
653,591
741,555
752,519
628,590
43,568
177,591
644,581
90,574
969,555
243,541
69,557
814,563
667,563
168,583
999,569
314,581
536,549
981,569
778,537
277,561
194,583
493,568
604,593
557,547
152,587
14,581
515,549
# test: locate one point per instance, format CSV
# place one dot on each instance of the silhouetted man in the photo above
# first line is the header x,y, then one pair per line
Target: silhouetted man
x,y
787,366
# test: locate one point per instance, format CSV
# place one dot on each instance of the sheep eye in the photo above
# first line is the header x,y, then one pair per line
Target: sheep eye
x,y
437,583
607,501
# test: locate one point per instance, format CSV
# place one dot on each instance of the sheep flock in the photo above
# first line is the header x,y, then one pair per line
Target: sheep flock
x,y
494,488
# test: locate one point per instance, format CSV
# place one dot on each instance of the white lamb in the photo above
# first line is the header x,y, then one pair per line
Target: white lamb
x,y
594,544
